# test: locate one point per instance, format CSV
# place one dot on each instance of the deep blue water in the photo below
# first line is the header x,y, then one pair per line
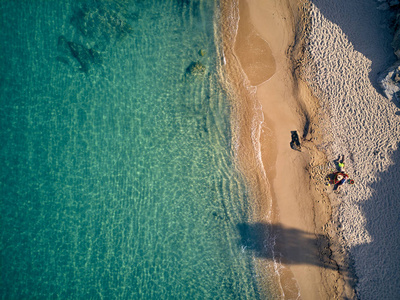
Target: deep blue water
x,y
117,173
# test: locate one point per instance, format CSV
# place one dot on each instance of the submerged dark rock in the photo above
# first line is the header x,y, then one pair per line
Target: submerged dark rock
x,y
96,56
196,69
103,22
84,56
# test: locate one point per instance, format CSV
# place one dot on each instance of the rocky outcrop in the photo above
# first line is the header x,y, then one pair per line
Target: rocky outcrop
x,y
390,79
84,56
100,24
196,69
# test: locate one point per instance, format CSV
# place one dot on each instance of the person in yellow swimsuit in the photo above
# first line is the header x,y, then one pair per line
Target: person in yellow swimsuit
x,y
341,165
344,177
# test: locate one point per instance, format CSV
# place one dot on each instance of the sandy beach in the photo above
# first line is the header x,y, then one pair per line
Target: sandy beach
x,y
293,69
349,45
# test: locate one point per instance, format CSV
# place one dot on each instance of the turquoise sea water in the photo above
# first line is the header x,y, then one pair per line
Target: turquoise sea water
x,y
117,173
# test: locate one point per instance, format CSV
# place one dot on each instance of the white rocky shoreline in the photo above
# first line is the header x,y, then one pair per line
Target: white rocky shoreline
x,y
350,46
389,79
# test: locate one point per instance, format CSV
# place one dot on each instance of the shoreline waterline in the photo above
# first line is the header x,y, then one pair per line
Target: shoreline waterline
x,y
250,131
262,135
248,126
146,154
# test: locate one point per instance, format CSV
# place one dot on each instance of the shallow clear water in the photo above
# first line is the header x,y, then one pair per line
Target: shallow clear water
x,y
118,180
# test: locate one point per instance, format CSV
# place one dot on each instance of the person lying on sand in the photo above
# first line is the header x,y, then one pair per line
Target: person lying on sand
x,y
340,177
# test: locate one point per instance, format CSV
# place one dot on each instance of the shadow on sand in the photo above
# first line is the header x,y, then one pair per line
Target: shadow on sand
x,y
364,33
378,261
292,246
254,237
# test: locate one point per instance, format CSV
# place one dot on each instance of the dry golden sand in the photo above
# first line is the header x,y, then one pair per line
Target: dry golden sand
x,y
262,59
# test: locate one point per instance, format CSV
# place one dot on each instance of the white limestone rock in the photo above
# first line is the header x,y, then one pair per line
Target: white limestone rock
x,y
390,81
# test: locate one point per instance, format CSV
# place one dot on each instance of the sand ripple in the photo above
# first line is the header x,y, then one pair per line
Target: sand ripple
x,y
365,127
